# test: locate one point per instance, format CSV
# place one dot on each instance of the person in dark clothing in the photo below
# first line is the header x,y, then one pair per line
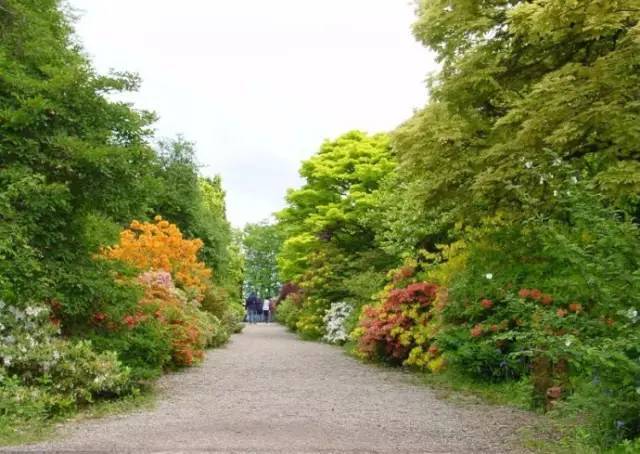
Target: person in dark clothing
x,y
258,309
250,305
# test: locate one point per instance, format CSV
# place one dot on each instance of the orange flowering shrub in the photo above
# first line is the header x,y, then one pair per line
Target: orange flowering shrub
x,y
190,329
160,246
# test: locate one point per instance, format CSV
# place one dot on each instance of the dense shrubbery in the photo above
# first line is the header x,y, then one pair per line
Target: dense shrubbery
x,y
75,168
512,197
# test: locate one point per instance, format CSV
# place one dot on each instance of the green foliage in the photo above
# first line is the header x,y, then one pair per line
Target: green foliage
x,y
75,167
261,244
328,228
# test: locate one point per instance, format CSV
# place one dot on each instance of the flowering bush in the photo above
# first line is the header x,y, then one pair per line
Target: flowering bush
x,y
401,329
59,373
160,246
334,323
190,329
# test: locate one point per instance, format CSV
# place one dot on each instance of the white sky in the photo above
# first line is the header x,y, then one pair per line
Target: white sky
x,y
258,85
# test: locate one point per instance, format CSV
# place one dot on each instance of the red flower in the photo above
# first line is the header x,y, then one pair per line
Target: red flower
x,y
486,303
535,294
99,317
524,293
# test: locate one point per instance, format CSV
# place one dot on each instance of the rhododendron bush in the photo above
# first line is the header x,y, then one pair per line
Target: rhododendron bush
x,y
401,329
334,323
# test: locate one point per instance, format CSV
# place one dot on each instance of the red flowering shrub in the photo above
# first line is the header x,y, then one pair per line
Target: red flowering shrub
x,y
385,331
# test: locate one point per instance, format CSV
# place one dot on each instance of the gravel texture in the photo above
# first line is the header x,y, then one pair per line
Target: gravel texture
x,y
268,392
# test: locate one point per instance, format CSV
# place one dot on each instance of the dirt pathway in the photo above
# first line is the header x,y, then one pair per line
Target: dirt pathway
x,y
269,392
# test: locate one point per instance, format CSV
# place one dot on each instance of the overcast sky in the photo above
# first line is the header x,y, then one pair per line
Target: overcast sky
x,y
258,85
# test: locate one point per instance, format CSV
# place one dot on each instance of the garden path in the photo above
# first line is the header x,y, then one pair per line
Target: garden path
x,y
268,392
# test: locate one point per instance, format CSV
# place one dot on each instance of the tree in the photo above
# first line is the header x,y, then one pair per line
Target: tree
x,y
261,243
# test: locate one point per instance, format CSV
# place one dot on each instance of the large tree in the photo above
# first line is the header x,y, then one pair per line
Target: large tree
x,y
532,95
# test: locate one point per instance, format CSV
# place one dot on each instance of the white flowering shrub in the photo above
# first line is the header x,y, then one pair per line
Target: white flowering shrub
x,y
65,373
334,323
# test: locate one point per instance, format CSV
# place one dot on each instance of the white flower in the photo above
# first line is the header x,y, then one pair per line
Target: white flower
x,y
334,321
56,355
528,165
574,180
489,276
557,162
568,342
32,311
542,180
7,360
555,193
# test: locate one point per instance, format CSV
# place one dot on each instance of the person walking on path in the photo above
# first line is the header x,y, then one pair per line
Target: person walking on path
x,y
266,307
251,305
258,308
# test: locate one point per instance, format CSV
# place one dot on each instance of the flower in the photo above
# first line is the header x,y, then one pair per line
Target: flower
x,y
528,165
486,303
489,276
575,307
561,313
535,294
568,342
546,299
477,330
524,293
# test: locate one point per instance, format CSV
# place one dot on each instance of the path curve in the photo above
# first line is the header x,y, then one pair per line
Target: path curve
x,y
268,392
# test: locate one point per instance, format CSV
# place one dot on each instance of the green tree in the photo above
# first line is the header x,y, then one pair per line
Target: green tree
x,y
261,243
531,94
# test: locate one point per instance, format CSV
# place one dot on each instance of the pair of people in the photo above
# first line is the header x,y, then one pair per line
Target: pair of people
x,y
258,310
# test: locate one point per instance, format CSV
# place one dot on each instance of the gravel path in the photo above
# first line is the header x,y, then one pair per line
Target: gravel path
x,y
268,392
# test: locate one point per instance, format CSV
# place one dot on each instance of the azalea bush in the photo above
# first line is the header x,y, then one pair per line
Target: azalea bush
x,y
335,323
401,329
46,374
160,246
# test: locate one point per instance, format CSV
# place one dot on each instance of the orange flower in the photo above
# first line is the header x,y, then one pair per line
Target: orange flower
x,y
561,313
161,246
575,307
546,299
535,294
477,330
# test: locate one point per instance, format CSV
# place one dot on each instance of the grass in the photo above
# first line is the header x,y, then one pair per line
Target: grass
x,y
15,432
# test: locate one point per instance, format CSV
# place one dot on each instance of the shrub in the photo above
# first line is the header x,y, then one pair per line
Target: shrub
x,y
288,313
59,373
160,246
334,323
401,329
